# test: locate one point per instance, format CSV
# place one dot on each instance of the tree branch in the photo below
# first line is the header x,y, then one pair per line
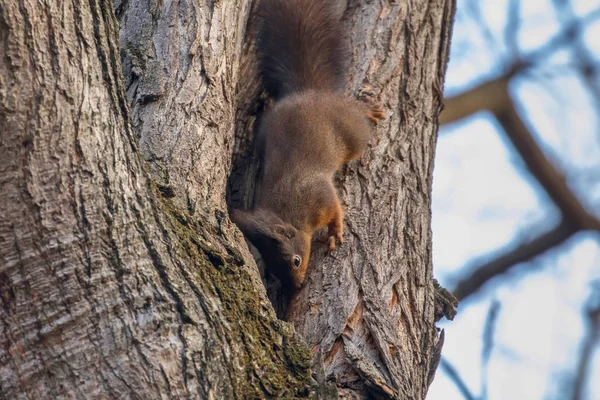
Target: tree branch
x,y
456,379
502,264
512,28
488,344
485,97
551,179
587,64
493,96
565,36
593,320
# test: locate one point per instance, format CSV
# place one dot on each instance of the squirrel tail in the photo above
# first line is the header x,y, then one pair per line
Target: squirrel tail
x,y
300,46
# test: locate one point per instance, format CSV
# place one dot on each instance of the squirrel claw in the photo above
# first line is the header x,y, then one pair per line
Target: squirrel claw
x,y
332,239
375,114
331,244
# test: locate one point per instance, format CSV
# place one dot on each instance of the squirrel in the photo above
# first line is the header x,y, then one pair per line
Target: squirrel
x,y
312,130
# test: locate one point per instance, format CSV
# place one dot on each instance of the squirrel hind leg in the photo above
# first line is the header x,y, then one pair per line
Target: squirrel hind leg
x,y
355,122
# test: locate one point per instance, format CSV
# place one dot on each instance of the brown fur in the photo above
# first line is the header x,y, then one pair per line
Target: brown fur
x,y
301,46
305,138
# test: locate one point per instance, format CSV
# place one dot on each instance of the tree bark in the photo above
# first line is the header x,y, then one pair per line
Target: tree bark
x,y
369,311
109,289
121,275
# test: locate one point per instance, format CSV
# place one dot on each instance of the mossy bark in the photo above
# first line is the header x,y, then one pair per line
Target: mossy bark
x,y
111,289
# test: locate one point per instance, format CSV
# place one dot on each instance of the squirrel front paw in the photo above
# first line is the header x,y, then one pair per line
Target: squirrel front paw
x,y
335,234
375,114
332,240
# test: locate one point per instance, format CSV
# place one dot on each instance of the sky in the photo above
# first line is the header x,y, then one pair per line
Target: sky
x,y
484,201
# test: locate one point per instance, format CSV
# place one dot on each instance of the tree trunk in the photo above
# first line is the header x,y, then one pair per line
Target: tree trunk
x,y
121,275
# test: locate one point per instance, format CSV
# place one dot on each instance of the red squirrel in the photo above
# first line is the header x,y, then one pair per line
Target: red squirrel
x,y
310,132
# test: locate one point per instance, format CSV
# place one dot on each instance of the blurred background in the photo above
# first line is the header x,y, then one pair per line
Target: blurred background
x,y
516,209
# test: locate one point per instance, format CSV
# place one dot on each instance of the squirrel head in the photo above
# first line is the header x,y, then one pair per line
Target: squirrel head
x,y
284,248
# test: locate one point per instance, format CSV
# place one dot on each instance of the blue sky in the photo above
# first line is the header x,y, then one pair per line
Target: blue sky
x,y
484,201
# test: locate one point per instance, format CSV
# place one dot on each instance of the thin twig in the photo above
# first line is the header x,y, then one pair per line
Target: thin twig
x,y
587,63
511,30
454,376
570,31
473,7
488,344
591,340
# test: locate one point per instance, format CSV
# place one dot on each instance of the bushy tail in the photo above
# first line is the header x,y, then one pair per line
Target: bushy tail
x,y
300,46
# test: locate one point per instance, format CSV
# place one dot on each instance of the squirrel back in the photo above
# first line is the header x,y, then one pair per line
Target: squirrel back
x,y
301,46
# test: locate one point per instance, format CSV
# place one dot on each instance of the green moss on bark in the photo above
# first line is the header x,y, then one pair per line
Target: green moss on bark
x,y
275,363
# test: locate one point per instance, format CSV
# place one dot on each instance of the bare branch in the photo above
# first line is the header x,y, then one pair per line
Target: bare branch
x,y
593,320
571,30
502,264
587,63
511,30
473,6
551,179
488,344
493,96
454,376
488,96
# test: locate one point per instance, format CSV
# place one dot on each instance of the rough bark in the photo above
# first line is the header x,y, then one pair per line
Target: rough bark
x,y
108,289
121,275
371,306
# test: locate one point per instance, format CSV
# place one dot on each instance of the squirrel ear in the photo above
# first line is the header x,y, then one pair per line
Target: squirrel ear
x,y
283,230
253,226
247,222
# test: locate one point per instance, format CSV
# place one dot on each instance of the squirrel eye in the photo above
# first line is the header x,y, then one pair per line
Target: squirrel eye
x,y
297,261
